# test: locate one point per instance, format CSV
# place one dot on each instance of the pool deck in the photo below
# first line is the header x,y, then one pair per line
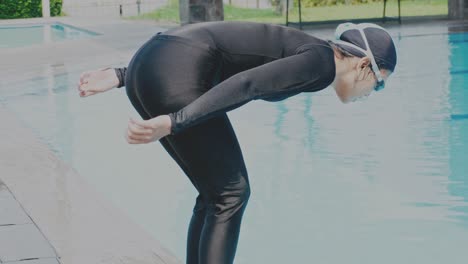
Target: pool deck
x,y
48,212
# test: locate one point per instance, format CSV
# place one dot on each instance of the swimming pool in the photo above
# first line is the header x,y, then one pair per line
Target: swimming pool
x,y
383,181
13,36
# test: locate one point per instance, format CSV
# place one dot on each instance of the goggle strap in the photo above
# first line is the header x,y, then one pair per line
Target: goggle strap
x,y
375,68
341,42
349,26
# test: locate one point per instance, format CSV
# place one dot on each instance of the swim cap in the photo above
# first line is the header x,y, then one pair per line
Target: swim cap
x,y
379,40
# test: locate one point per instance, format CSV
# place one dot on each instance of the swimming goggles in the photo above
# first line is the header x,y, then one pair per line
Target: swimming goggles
x,y
368,52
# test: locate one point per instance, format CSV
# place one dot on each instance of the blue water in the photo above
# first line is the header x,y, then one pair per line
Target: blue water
x,y
382,181
14,36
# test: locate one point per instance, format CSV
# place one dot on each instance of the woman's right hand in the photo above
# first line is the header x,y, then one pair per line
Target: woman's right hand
x,y
97,81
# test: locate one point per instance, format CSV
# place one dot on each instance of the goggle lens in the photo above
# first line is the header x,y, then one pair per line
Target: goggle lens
x,y
379,85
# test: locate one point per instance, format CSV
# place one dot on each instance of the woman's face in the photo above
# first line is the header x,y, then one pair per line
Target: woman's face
x,y
358,83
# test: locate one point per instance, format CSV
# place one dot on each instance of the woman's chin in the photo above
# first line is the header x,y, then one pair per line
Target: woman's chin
x,y
342,96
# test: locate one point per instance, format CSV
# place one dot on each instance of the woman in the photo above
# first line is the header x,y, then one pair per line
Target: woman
x,y
183,81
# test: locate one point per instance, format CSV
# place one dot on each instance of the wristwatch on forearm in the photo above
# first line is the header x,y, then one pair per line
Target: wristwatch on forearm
x,y
121,72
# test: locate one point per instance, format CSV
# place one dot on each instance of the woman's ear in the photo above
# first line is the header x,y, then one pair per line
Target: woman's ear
x,y
363,62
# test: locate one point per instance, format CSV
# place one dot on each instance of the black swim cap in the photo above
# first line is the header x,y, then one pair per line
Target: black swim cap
x,y
380,42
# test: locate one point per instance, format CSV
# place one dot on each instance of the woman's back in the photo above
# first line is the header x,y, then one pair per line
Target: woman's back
x,y
240,37
245,45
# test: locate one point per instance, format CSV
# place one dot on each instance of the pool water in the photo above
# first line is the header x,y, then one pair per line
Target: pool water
x,y
14,36
382,181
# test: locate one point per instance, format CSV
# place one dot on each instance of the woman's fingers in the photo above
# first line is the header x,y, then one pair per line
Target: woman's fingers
x,y
142,123
144,131
86,93
137,134
140,137
84,76
138,130
130,140
137,139
132,135
86,82
88,88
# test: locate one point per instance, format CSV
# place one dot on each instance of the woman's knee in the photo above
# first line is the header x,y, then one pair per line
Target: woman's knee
x,y
244,192
230,201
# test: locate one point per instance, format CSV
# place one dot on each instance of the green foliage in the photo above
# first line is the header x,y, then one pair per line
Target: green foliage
x,y
27,8
248,14
55,7
170,13
312,3
19,8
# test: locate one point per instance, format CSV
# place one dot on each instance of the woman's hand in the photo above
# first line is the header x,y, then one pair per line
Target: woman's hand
x,y
146,131
98,81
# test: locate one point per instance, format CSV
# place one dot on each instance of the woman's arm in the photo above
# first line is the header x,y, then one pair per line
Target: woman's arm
x,y
277,79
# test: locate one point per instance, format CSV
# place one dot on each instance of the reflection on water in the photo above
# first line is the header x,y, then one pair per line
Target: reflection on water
x,y
381,181
14,36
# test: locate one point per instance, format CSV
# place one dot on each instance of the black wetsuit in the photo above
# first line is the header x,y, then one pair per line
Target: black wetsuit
x,y
198,72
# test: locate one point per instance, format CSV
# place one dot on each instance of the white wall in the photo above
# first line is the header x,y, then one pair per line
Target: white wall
x,y
45,8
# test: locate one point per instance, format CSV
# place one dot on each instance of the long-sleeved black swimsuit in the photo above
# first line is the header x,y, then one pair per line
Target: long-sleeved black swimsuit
x,y
195,74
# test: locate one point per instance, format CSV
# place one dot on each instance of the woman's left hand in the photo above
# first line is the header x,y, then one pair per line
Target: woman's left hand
x,y
146,131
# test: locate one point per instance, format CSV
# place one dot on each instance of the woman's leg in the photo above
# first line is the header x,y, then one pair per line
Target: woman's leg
x,y
210,155
217,160
214,158
198,216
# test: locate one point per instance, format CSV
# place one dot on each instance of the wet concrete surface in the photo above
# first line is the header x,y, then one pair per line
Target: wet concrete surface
x,y
20,242
36,261
20,238
49,213
11,212
69,216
